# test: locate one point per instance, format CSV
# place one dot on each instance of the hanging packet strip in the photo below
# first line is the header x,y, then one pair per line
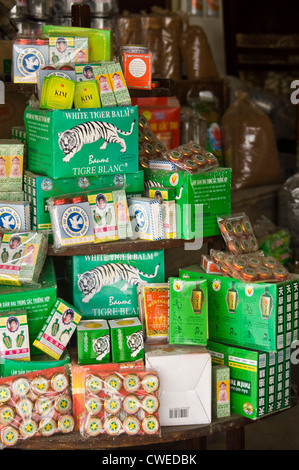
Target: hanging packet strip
x,y
22,257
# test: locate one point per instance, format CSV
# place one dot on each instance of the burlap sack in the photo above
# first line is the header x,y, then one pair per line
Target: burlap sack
x,y
249,145
196,54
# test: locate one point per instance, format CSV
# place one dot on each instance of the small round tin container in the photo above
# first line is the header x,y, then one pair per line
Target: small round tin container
x,y
249,274
143,122
190,164
245,245
270,261
66,423
148,148
239,263
226,227
246,225
234,246
196,148
175,156
199,160
254,261
280,273
237,228
159,147
131,425
186,151
264,273
94,384
61,201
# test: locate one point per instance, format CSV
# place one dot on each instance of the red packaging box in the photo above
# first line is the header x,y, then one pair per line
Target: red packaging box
x,y
163,115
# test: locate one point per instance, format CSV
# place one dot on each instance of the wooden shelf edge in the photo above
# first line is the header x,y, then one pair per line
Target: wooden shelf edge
x,y
129,246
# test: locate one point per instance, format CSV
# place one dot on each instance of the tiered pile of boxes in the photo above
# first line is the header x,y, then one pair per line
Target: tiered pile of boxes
x,y
143,347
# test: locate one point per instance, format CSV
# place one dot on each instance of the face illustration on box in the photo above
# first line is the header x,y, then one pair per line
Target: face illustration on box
x,y
3,173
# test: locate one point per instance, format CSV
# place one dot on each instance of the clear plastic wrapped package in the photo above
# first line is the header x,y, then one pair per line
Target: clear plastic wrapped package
x,y
35,404
238,234
22,257
116,400
250,267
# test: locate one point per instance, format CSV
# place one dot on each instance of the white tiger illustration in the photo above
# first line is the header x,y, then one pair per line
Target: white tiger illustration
x,y
135,343
101,346
92,281
72,140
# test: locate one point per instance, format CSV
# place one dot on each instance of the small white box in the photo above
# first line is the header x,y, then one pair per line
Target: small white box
x,y
185,383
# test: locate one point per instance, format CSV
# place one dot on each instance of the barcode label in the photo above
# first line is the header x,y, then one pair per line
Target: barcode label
x,y
179,413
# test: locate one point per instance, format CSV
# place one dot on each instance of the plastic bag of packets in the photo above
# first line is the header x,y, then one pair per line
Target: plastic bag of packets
x,y
116,400
22,257
35,404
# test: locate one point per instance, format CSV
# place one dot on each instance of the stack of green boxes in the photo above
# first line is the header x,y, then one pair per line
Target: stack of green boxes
x,y
251,329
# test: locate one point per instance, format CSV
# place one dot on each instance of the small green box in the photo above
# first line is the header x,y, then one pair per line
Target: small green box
x,y
256,315
250,380
188,311
200,198
105,286
126,340
63,143
93,342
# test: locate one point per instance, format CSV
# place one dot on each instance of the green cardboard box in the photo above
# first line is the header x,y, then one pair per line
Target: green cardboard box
x,y
188,311
126,340
250,380
39,188
93,342
105,286
38,301
82,142
39,362
200,198
260,315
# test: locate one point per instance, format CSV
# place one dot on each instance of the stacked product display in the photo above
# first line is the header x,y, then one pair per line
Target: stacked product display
x,y
105,357
253,318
